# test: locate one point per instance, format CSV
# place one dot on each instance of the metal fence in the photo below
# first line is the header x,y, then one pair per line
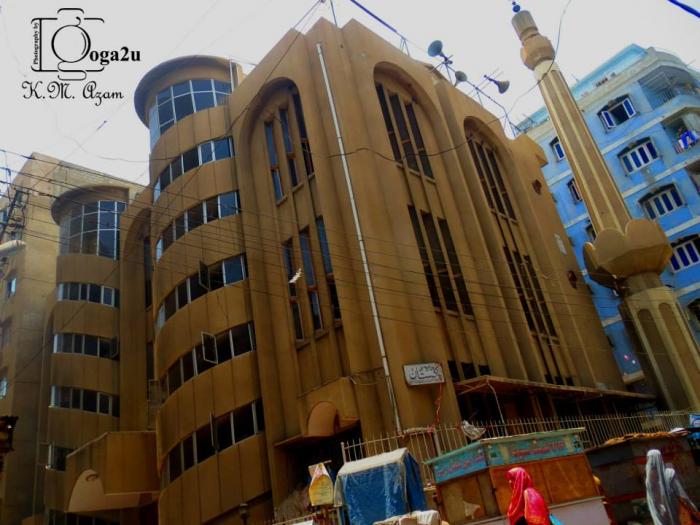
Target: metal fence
x,y
427,443
329,517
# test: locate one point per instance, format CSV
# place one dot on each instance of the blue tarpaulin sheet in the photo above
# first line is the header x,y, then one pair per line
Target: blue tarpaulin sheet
x,y
379,487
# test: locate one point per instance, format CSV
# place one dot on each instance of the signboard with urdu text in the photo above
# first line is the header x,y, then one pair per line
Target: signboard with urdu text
x,y
424,374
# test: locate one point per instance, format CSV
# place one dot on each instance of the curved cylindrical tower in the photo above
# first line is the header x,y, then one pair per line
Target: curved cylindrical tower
x,y
83,329
211,434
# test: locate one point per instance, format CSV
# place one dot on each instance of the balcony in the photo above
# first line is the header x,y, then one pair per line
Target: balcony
x,y
117,470
667,83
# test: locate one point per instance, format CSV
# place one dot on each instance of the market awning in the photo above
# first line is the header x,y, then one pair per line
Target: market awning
x,y
504,385
117,470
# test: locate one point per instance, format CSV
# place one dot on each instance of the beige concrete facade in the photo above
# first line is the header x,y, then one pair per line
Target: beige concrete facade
x,y
468,263
31,315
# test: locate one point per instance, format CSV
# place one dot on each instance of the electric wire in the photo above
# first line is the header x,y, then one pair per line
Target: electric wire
x,y
271,246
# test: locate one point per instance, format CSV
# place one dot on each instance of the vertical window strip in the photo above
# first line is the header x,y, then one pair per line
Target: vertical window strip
x,y
289,147
480,173
489,178
273,160
291,269
501,183
440,264
420,146
312,290
388,123
303,136
328,267
423,251
405,137
455,267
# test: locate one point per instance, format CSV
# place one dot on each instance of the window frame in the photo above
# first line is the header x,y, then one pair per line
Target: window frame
x,y
663,201
607,117
558,149
681,252
631,157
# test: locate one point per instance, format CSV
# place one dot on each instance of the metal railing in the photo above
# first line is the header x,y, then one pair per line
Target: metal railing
x,y
329,517
427,443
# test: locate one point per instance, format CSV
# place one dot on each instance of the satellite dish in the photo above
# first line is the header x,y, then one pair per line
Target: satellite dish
x,y
503,85
460,76
435,48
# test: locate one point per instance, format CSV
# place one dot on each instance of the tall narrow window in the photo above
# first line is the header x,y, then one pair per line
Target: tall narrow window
x,y
557,148
440,264
328,267
291,269
491,178
420,146
406,143
303,136
455,267
389,125
288,147
573,189
273,160
307,260
425,259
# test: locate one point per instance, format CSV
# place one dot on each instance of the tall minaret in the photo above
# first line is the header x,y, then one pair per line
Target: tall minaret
x,y
627,254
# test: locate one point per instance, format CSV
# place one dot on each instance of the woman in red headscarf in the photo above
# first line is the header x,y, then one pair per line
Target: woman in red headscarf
x,y
526,507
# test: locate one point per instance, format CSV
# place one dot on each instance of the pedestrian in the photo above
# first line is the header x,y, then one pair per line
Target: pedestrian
x,y
527,506
664,491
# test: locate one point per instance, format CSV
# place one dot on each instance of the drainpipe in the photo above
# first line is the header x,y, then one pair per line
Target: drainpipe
x,y
361,242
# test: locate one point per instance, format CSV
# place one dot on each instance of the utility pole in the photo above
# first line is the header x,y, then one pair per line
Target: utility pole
x,y
628,254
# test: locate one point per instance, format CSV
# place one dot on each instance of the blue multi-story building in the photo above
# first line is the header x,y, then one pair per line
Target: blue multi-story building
x,y
643,109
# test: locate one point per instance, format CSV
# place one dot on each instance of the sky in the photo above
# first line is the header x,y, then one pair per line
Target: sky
x,y
476,33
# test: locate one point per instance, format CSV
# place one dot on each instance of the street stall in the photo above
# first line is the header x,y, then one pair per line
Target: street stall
x,y
380,487
620,465
472,486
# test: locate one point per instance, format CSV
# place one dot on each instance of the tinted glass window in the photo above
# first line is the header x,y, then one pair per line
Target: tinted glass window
x,y
241,339
89,400
223,432
190,159
243,426
205,448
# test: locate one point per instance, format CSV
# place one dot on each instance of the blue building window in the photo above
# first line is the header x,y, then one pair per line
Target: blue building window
x,y
686,252
617,111
662,202
575,193
557,149
638,155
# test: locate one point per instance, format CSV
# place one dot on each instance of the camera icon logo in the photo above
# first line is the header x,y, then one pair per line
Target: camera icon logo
x,y
63,45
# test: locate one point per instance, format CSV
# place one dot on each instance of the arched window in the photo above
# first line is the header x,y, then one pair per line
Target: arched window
x,y
405,136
